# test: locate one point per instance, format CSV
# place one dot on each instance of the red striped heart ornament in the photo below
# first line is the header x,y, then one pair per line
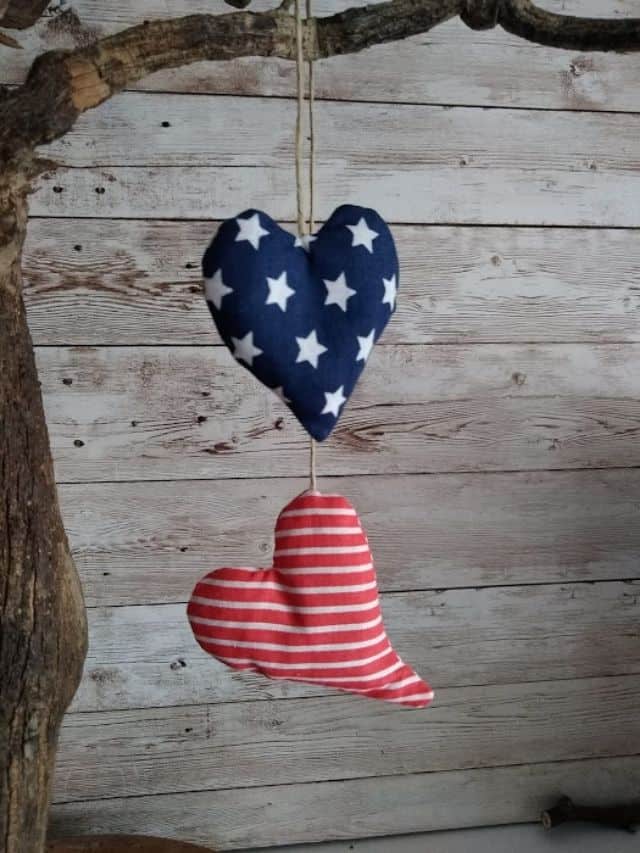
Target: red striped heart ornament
x,y
314,616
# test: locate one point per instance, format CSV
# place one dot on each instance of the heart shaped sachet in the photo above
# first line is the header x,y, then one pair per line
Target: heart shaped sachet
x,y
302,314
315,616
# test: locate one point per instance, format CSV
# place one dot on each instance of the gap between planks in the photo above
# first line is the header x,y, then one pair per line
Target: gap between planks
x,y
43,217
630,579
371,102
368,102
338,476
356,779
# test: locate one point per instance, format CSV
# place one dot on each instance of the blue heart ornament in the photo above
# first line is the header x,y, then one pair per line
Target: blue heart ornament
x,y
302,314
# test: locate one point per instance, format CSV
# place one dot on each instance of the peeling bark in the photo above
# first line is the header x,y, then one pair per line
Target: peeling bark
x,y
42,616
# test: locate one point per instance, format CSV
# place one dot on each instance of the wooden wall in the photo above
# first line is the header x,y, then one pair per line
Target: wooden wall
x,y
492,448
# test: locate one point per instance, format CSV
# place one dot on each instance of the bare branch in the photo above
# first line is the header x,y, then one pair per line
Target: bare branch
x,y
523,18
63,84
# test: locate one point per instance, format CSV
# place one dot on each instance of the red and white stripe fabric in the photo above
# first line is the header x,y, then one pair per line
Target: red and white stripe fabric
x,y
313,617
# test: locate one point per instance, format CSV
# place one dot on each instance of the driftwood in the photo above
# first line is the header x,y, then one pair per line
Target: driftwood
x,y
42,618
565,810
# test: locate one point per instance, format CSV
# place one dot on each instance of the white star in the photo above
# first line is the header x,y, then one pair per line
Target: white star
x,y
337,292
333,401
303,241
390,291
251,230
279,392
363,235
244,350
366,345
310,349
215,289
279,291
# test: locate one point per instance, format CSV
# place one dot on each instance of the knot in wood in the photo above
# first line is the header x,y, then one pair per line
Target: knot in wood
x,y
480,14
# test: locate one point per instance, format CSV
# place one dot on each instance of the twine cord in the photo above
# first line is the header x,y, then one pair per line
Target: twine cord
x,y
305,223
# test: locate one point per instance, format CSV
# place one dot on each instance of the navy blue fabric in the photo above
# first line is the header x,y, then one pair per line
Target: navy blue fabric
x,y
334,251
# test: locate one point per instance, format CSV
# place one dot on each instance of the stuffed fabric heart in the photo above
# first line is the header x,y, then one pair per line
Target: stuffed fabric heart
x,y
302,314
314,616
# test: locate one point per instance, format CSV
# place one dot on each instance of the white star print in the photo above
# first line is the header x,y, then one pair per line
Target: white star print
x,y
215,289
244,350
390,291
279,392
337,292
279,291
302,241
333,401
366,345
363,235
251,230
310,349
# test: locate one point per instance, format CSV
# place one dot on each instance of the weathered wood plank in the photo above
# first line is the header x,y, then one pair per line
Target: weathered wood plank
x,y
472,166
144,656
533,194
213,131
133,282
144,543
450,65
172,413
321,811
244,744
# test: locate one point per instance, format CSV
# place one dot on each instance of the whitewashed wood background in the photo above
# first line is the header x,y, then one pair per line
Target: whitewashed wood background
x,y
492,448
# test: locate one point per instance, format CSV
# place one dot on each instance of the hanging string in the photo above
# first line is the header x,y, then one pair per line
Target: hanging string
x,y
305,224
299,128
312,144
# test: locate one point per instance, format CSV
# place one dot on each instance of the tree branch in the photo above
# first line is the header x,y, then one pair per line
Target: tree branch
x,y
63,84
20,14
523,18
565,810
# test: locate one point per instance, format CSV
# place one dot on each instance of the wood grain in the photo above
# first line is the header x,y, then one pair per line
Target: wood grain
x,y
454,65
144,543
171,413
257,133
220,155
146,656
532,194
107,281
242,744
285,814
521,401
